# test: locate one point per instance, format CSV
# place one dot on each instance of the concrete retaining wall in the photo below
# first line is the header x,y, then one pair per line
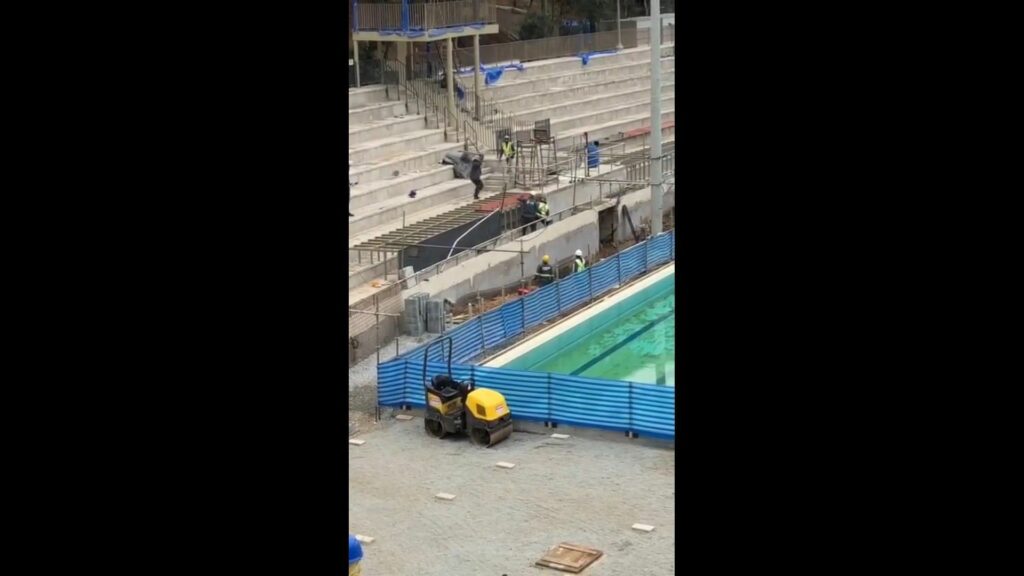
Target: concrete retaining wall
x,y
496,269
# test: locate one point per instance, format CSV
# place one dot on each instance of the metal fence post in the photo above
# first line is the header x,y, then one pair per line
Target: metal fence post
x,y
550,417
523,314
590,282
483,340
618,264
629,413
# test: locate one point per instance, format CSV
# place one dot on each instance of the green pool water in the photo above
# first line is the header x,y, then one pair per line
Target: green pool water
x,y
634,340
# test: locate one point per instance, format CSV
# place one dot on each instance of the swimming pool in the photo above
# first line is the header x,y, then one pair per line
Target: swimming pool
x,y
629,336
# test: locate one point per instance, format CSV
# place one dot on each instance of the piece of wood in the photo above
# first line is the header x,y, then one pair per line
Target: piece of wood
x,y
643,527
365,539
560,436
357,441
445,496
569,558
403,417
506,465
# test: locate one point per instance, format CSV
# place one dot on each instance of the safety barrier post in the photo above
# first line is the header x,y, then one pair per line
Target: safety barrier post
x,y
483,340
590,282
522,314
550,422
629,414
618,264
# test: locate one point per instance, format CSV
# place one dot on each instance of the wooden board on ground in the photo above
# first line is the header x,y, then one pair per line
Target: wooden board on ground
x,y
570,558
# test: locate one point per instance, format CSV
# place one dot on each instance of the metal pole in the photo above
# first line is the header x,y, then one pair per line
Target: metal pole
x,y
376,306
476,76
450,75
355,46
655,117
618,25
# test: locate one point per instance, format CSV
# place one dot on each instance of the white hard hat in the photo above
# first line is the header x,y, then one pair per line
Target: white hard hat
x,y
579,252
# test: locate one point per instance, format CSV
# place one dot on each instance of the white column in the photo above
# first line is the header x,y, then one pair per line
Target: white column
x,y
656,117
618,24
450,74
476,76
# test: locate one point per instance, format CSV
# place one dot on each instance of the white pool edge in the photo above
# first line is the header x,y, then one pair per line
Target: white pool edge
x,y
577,318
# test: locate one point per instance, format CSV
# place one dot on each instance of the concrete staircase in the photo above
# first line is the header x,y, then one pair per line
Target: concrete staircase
x,y
393,153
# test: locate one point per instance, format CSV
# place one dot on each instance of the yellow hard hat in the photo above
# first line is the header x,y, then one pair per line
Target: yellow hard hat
x,y
546,258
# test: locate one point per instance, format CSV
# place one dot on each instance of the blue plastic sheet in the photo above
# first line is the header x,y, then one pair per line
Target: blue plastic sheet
x,y
586,56
646,409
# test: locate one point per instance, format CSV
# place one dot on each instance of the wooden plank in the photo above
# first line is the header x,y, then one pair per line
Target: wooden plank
x,y
570,558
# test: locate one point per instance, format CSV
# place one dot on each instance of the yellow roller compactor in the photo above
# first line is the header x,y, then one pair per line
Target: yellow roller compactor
x,y
456,407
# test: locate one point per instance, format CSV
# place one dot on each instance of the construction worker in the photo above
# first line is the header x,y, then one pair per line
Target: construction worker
x,y
543,210
579,264
508,150
528,215
355,556
545,273
350,185
474,176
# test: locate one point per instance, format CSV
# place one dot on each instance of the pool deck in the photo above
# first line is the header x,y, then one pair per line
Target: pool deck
x,y
582,316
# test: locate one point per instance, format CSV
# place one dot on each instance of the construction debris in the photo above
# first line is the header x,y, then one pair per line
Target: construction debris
x,y
570,558
643,527
365,539
403,417
506,465
445,496
357,441
560,436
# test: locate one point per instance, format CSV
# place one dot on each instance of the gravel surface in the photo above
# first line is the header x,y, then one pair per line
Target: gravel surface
x,y
584,491
362,381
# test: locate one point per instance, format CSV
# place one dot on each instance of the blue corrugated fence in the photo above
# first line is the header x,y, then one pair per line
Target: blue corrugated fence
x,y
643,409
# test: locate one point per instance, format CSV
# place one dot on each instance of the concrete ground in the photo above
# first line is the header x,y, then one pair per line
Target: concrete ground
x,y
586,490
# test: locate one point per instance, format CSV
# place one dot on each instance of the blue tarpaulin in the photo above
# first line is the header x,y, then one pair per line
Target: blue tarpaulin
x,y
593,159
586,56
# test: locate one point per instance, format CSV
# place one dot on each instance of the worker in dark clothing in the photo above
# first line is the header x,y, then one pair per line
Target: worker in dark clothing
x,y
529,214
474,176
579,264
545,273
507,151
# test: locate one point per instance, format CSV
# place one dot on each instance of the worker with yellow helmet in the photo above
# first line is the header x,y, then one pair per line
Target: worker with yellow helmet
x,y
545,273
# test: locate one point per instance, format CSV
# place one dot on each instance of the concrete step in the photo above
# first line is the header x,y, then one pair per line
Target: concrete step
x,y
385,128
375,111
373,192
410,219
392,209
392,146
382,167
509,88
570,107
565,126
551,94
366,95
613,128
570,64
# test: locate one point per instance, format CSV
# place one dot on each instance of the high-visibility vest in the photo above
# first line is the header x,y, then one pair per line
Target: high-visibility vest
x,y
581,265
542,209
509,149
